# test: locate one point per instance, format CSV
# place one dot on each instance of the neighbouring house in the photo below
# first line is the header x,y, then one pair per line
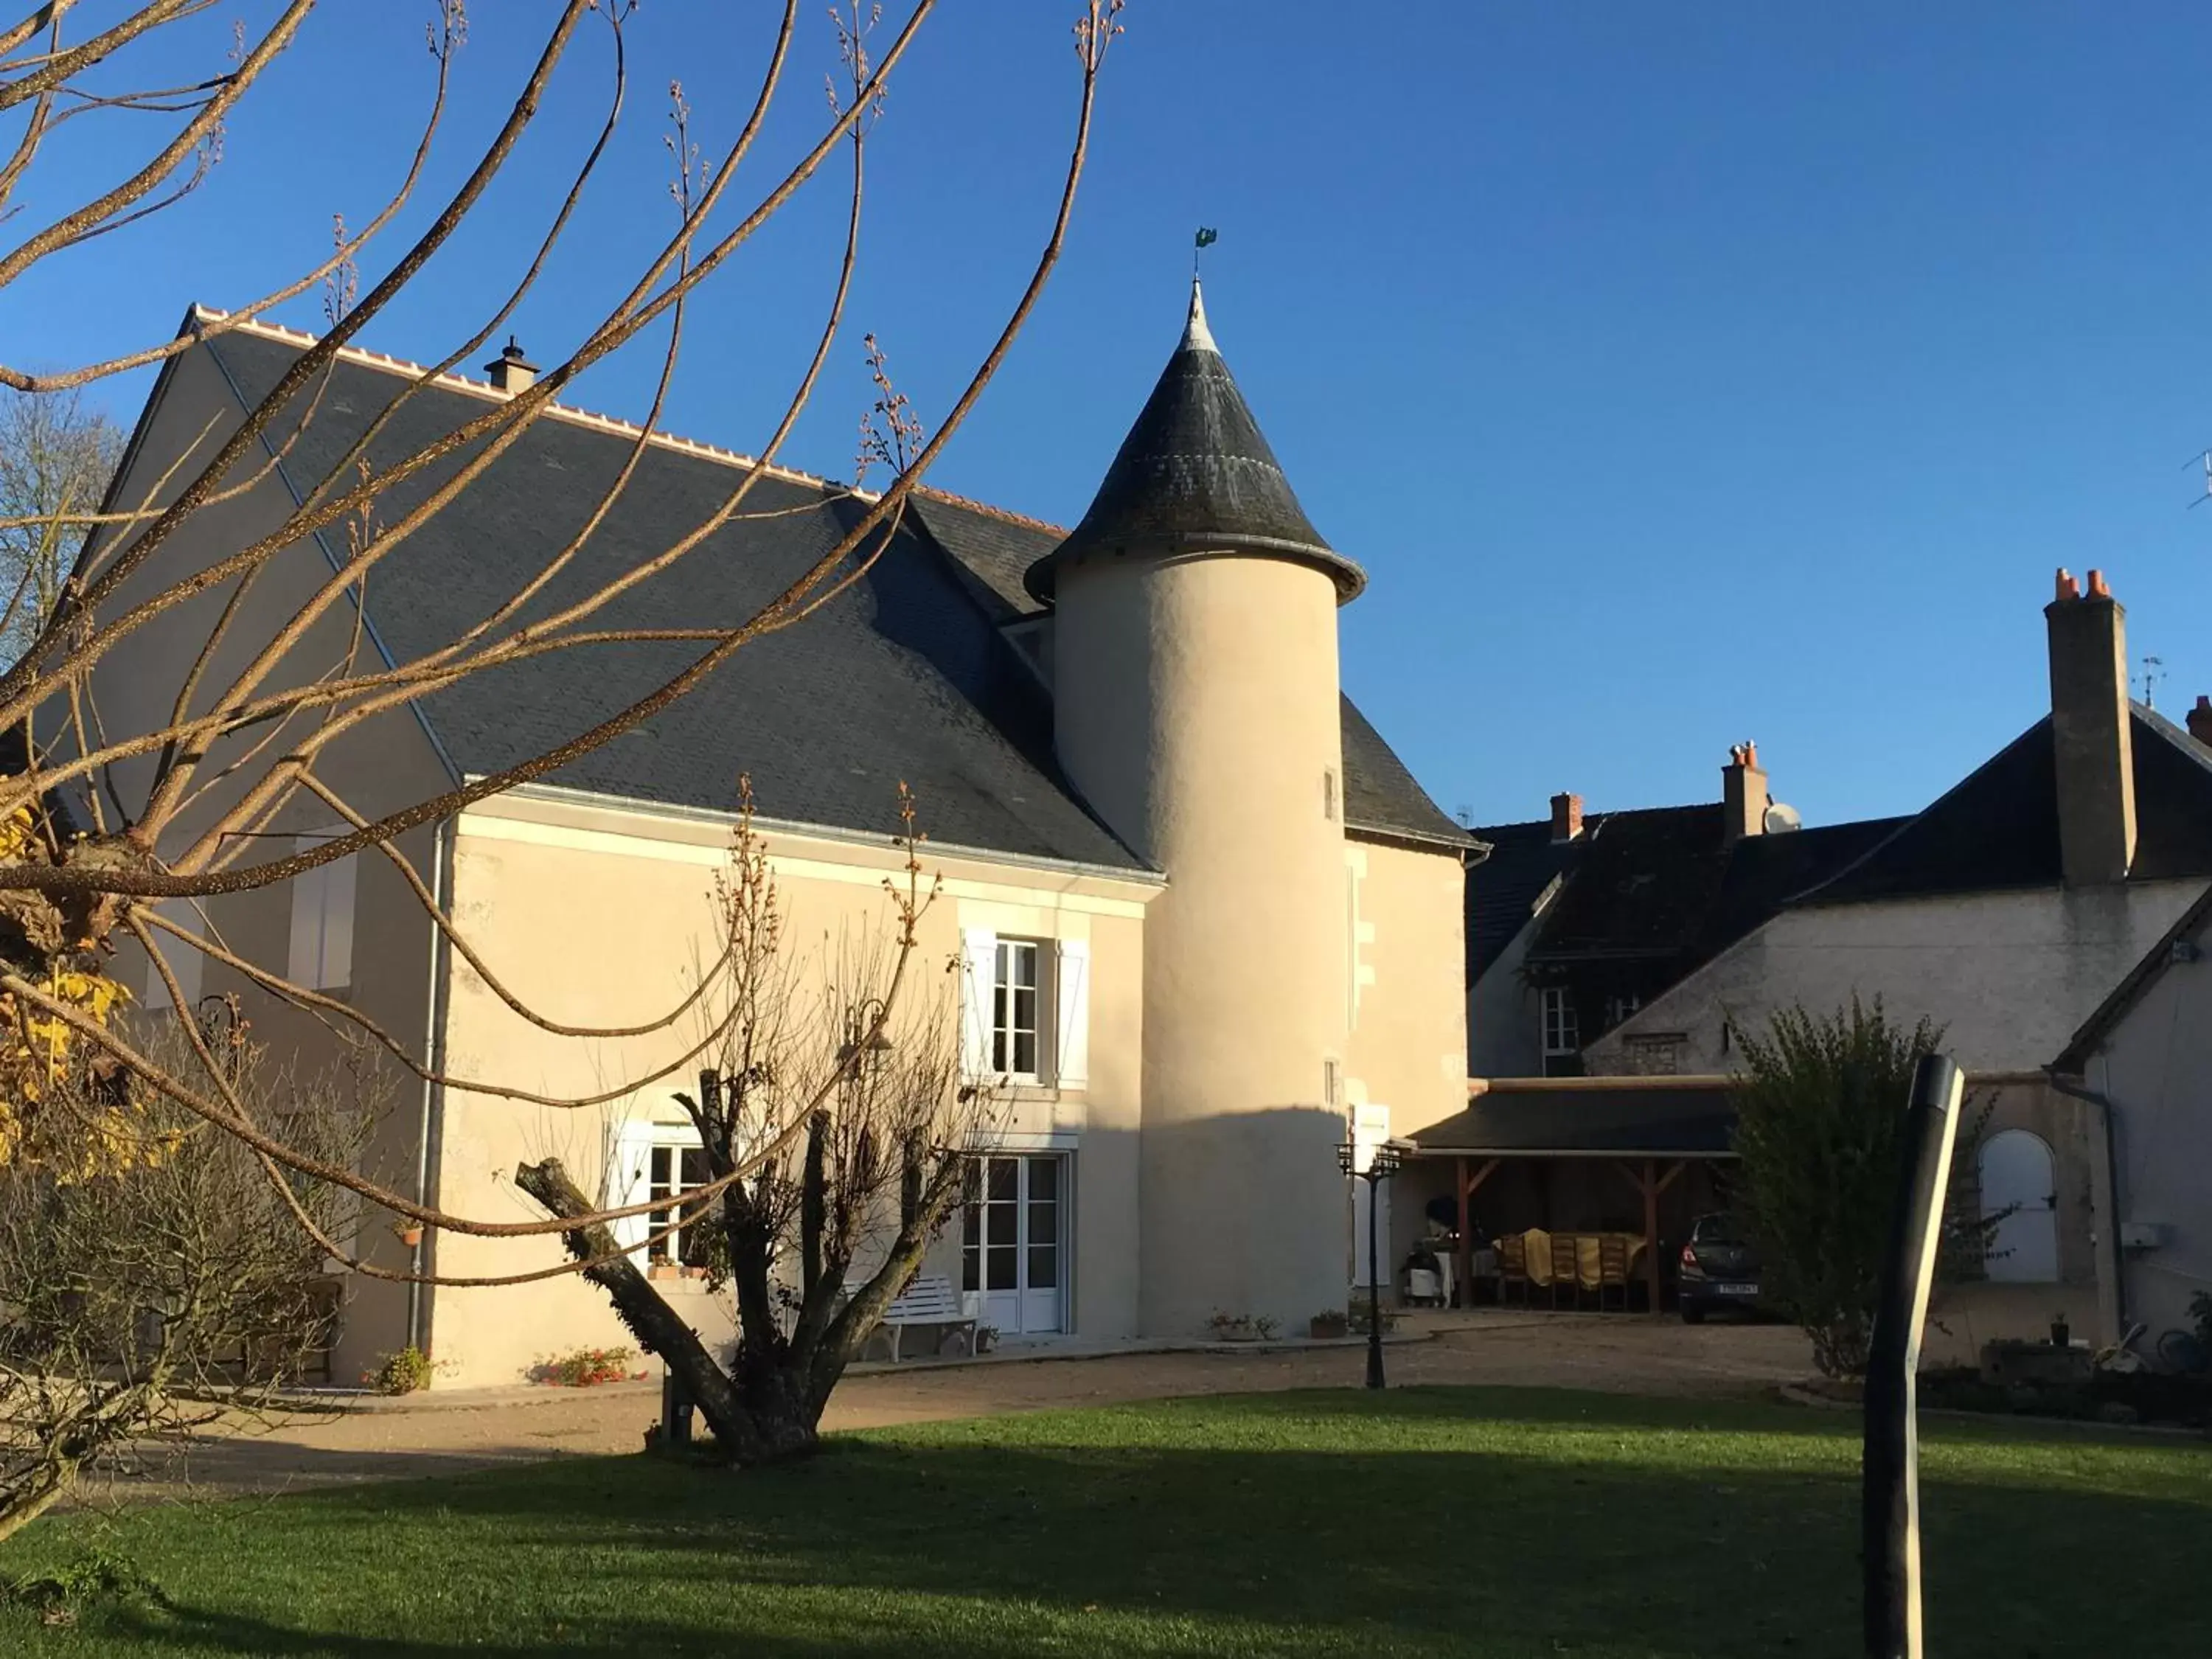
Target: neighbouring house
x,y
1207,924
1575,922
2005,913
2142,1065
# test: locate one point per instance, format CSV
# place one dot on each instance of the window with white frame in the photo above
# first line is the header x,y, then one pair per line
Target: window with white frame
x,y
1014,1003
322,919
1026,1009
1562,1033
1621,1007
657,1164
673,1168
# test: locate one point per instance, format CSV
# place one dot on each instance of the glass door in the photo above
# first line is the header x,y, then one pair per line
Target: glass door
x,y
1012,1255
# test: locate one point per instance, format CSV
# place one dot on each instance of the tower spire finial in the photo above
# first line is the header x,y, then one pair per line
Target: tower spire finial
x,y
1196,335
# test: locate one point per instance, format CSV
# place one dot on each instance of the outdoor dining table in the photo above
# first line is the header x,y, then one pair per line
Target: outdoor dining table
x,y
1543,1269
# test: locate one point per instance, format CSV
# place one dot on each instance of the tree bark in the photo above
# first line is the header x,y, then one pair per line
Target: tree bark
x,y
650,1319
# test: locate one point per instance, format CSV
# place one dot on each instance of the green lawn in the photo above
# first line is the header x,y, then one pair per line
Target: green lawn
x,y
1484,1522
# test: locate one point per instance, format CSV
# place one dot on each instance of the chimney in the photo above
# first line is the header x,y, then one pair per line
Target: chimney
x,y
2091,735
2200,721
1566,817
1743,794
511,372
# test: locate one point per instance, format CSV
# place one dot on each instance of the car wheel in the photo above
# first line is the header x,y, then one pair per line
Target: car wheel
x,y
1693,1313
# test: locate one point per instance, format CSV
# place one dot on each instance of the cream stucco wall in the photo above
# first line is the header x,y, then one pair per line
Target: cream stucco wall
x,y
2009,975
1408,1041
599,913
384,764
1197,711
2154,1067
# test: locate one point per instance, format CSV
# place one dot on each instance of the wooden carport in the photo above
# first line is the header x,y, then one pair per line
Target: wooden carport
x,y
1650,1128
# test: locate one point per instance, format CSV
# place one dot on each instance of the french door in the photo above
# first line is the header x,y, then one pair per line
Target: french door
x,y
1013,1256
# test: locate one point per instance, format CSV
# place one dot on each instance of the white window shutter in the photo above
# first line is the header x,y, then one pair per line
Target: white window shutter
x,y
978,972
628,1159
1072,1035
307,953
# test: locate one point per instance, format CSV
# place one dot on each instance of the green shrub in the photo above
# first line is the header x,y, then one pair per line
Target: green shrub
x,y
1820,1118
408,1371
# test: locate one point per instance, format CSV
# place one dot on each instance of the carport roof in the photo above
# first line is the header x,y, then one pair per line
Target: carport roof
x,y
1554,1117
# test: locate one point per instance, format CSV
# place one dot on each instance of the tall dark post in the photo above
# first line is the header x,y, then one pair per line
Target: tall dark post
x,y
1891,1461
1382,1164
1374,1294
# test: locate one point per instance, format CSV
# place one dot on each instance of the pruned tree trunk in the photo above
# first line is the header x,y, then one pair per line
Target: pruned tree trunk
x,y
768,1406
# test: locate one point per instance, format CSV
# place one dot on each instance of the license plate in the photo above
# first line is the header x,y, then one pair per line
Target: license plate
x,y
1735,1290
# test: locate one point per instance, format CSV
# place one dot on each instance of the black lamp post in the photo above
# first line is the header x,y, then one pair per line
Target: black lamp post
x,y
1381,1164
866,1040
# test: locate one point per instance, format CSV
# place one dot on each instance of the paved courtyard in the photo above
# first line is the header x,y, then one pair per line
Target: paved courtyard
x,y
438,1433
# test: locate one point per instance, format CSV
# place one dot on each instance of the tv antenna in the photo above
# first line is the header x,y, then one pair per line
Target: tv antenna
x,y
2154,670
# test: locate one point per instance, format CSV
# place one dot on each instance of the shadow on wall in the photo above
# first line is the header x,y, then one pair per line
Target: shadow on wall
x,y
1244,1213
1420,1521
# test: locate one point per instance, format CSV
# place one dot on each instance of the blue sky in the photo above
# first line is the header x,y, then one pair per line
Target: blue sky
x,y
1681,374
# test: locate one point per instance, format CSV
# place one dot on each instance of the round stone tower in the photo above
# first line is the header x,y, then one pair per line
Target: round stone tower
x,y
1196,710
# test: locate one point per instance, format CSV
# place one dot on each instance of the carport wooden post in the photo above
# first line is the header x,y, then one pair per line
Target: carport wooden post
x,y
1651,1183
1463,1267
1467,1183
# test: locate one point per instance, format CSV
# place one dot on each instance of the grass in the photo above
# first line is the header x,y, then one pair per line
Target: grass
x,y
1484,1522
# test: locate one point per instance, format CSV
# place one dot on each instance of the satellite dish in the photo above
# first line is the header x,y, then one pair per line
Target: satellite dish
x,y
1781,819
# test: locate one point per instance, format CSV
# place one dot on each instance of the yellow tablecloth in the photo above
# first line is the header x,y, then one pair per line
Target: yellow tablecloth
x,y
1543,1269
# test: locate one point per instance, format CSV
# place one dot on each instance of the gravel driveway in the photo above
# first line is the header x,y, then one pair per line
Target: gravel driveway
x,y
475,1429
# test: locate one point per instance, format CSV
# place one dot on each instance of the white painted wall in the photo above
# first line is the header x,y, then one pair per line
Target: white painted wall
x,y
2156,1068
2009,975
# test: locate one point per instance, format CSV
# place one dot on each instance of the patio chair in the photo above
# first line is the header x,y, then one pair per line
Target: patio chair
x,y
1513,1267
1612,1268
1566,1268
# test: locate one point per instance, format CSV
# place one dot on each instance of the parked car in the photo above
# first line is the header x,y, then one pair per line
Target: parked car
x,y
1719,1269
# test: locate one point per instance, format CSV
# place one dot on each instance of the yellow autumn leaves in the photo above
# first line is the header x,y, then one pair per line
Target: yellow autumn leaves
x,y
52,1113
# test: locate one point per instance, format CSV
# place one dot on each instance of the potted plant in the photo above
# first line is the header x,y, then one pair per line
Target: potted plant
x,y
2061,1334
410,1233
987,1338
1330,1325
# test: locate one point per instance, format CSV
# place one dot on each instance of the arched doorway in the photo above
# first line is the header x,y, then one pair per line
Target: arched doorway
x,y
2015,1169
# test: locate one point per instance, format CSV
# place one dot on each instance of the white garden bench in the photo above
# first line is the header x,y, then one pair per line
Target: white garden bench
x,y
929,1300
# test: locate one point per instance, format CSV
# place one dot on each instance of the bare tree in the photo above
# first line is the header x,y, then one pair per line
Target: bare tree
x,y
252,721
57,455
168,1289
835,1141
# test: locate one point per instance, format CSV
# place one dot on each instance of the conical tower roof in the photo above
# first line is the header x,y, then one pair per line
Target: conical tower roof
x,y
1195,476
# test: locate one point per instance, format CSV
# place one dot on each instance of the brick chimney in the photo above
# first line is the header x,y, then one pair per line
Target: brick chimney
x,y
2091,732
1566,817
1743,794
511,372
2200,721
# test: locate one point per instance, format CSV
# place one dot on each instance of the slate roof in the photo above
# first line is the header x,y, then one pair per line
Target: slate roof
x,y
1502,892
1380,795
906,676
902,679
1195,472
1653,883
1998,829
1676,1119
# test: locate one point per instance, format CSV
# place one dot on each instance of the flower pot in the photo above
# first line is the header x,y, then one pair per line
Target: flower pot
x,y
2061,1334
410,1237
1326,1329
